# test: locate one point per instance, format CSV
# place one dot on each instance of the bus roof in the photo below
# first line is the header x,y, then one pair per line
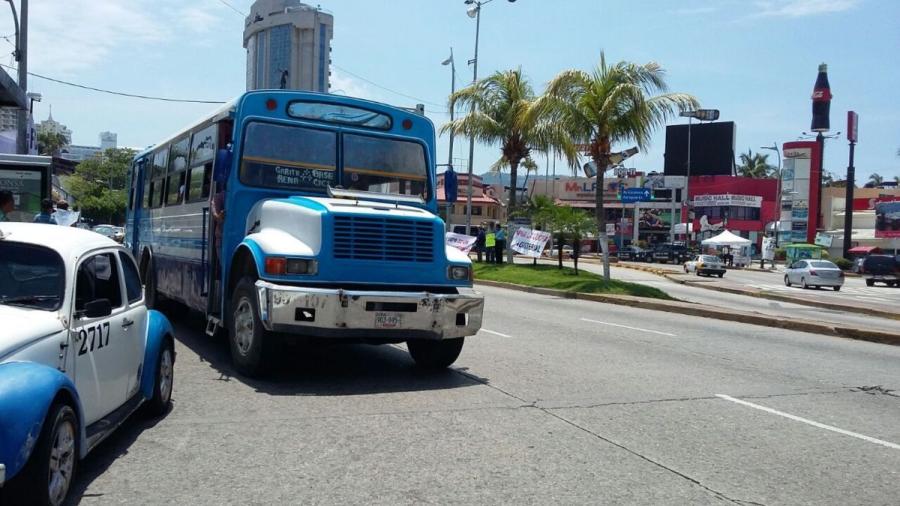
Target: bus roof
x,y
229,108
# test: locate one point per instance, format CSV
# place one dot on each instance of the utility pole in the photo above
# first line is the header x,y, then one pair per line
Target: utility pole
x,y
852,125
22,59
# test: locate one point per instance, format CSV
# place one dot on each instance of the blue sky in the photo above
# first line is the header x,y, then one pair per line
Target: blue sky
x,y
756,61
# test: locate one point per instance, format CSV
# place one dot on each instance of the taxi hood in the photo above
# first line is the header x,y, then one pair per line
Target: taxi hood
x,y
24,325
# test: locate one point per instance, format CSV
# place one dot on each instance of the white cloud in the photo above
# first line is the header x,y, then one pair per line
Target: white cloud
x,y
68,36
800,8
344,84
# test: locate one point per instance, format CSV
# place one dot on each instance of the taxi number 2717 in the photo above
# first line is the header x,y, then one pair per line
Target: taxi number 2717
x,y
98,335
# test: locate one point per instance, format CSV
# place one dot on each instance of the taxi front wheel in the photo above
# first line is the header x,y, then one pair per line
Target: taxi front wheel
x,y
253,348
435,354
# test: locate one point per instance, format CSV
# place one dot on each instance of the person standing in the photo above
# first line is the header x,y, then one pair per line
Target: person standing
x,y
500,239
490,243
7,205
479,241
45,215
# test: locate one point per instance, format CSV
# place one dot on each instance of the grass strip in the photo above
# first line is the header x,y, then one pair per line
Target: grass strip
x,y
550,276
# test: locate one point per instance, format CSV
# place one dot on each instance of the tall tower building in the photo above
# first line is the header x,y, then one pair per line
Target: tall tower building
x,y
288,46
108,140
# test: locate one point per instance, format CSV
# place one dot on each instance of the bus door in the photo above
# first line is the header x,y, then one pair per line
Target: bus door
x,y
135,205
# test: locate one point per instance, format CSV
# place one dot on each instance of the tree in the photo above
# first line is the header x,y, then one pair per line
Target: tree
x,y
500,113
576,224
875,180
99,185
50,143
619,103
756,165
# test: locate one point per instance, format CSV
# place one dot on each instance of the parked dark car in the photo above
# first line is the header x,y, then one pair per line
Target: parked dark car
x,y
634,254
880,269
670,253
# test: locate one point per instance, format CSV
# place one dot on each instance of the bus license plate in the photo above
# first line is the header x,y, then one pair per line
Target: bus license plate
x,y
388,320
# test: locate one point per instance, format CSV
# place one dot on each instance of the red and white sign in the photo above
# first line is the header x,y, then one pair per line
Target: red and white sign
x,y
887,218
852,126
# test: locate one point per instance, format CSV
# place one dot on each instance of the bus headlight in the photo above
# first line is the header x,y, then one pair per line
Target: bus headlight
x,y
282,265
459,273
302,266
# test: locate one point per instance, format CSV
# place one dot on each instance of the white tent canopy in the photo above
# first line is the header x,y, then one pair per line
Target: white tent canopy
x,y
726,238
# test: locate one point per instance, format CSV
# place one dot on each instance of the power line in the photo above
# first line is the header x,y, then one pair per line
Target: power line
x,y
232,8
385,88
119,93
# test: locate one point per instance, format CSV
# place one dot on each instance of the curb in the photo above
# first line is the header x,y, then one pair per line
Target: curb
x,y
707,312
787,298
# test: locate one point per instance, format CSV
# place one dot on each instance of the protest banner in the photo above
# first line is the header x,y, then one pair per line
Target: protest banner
x,y
461,242
529,242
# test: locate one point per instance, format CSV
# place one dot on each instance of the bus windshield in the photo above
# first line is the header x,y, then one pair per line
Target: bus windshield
x,y
305,159
289,157
383,165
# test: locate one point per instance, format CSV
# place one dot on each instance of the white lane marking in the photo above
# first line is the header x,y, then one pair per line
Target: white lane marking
x,y
811,422
627,327
495,333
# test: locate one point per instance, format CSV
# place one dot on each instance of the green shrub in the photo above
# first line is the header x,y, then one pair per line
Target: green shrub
x,y
843,263
780,253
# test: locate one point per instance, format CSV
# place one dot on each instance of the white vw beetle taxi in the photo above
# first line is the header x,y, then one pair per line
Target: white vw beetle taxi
x,y
79,352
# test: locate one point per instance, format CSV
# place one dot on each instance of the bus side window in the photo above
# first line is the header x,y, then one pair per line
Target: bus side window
x,y
147,192
175,188
198,188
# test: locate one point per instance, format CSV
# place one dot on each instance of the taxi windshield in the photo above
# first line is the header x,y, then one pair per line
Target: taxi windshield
x,y
31,276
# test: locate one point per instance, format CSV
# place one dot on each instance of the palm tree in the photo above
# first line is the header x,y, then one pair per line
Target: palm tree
x,y
876,180
501,106
51,143
619,103
755,165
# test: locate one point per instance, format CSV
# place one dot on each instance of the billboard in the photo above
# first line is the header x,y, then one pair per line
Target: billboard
x,y
712,149
800,192
887,218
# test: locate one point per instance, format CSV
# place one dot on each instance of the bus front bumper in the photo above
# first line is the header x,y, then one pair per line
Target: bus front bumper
x,y
337,313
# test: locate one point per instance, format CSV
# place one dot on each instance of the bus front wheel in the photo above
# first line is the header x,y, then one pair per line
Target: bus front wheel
x,y
252,347
435,354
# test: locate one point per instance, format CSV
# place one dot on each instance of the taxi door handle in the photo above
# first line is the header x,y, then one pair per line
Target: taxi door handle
x,y
127,323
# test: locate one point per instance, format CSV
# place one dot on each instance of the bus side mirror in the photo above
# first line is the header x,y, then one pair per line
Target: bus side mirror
x,y
222,165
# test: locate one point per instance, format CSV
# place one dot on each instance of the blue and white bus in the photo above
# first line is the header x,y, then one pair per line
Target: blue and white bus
x,y
329,231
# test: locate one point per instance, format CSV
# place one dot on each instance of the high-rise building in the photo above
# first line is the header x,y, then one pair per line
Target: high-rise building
x,y
108,140
288,46
53,126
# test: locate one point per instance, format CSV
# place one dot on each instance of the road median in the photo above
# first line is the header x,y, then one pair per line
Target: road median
x,y
689,308
678,278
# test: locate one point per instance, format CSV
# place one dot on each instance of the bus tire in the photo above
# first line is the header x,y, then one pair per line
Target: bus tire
x,y
433,355
253,348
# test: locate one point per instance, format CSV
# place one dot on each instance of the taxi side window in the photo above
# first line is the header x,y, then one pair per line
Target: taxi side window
x,y
132,278
98,278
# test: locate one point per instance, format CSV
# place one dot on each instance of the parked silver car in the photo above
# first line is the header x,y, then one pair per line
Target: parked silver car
x,y
817,273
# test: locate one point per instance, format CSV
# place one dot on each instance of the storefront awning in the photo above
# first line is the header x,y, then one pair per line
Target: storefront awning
x,y
864,250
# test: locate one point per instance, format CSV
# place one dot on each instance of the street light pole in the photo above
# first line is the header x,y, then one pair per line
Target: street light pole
x,y
21,56
774,147
702,115
472,138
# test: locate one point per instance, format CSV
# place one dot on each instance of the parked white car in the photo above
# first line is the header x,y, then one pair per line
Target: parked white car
x,y
79,352
815,273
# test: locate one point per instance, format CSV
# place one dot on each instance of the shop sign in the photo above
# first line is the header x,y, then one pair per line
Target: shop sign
x,y
727,200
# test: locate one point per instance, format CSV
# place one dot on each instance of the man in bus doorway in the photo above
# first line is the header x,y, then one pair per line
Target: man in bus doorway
x,y
217,210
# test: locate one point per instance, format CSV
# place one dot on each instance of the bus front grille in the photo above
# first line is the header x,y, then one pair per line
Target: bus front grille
x,y
385,239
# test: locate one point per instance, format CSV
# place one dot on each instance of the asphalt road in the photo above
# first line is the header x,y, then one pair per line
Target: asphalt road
x,y
854,290
724,300
555,401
